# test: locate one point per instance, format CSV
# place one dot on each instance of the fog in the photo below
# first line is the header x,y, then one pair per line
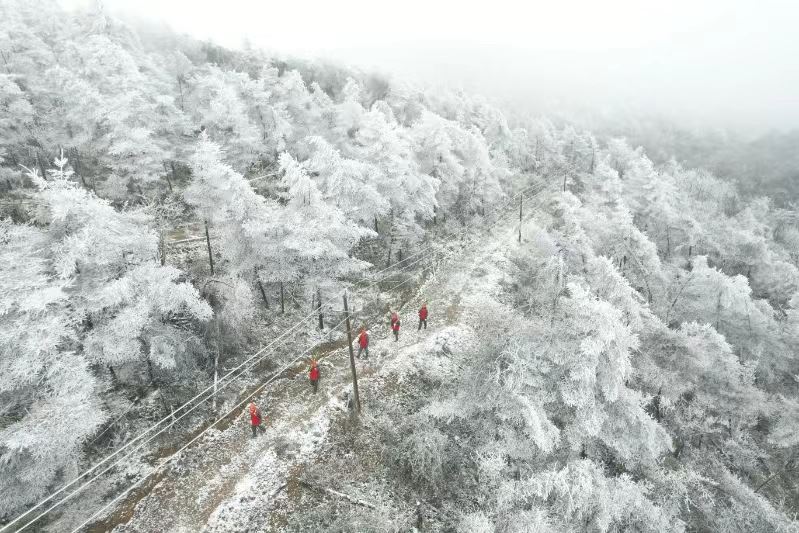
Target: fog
x,y
713,63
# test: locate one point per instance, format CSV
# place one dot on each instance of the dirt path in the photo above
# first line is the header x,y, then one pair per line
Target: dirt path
x,y
208,486
260,499
225,480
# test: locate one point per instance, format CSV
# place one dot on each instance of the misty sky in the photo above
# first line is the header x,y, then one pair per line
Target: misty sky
x,y
705,62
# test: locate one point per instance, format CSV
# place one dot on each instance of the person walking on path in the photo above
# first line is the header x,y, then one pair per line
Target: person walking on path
x,y
423,316
395,325
363,342
313,374
255,419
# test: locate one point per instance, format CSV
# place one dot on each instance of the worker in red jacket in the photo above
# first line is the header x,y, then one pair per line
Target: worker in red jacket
x,y
395,325
423,316
255,419
313,374
363,342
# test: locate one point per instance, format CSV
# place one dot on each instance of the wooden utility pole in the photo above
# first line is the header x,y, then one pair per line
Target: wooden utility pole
x,y
208,243
319,308
352,356
521,203
216,363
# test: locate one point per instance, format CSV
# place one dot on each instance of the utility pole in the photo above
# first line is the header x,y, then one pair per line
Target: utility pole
x,y
208,243
216,363
521,202
352,356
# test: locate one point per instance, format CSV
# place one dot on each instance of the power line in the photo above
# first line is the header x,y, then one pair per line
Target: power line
x,y
226,379
227,414
197,437
220,386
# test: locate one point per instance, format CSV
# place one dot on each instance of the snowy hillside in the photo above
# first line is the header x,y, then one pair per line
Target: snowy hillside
x,y
611,342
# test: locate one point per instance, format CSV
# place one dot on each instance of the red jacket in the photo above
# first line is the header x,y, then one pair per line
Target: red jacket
x,y
423,313
363,340
395,325
314,373
255,415
394,318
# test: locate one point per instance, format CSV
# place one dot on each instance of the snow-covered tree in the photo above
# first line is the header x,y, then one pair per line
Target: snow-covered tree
x,y
317,236
131,310
218,105
50,398
348,184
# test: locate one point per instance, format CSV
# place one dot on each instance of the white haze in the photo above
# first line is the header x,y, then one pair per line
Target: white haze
x,y
712,63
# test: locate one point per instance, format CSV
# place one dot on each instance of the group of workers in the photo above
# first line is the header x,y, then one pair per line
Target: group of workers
x,y
255,415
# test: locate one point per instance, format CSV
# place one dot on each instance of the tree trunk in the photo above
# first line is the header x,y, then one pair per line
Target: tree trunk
x,y
282,300
5,62
332,492
376,224
174,171
319,308
263,292
180,87
789,464
150,373
679,444
668,243
656,407
162,246
77,168
208,244
166,175
41,164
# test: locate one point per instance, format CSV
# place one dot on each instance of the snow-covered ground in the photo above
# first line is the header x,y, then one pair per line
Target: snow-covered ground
x,y
229,481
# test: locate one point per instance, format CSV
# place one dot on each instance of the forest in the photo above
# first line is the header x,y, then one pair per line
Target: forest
x,y
612,340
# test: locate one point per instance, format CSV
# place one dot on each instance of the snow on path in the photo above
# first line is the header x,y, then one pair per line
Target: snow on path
x,y
229,481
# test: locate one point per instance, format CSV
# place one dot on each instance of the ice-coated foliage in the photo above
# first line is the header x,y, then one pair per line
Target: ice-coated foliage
x,y
49,396
83,288
628,366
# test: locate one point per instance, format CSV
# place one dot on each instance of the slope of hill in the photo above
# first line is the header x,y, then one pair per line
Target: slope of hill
x,y
624,360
